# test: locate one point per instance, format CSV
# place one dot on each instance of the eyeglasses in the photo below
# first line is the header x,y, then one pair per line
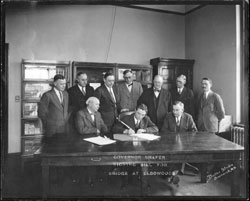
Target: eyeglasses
x,y
127,77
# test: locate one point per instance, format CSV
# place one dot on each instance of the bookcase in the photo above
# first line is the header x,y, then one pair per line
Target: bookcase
x,y
170,69
95,72
36,78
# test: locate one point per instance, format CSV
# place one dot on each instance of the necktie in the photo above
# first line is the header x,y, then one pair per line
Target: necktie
x,y
61,97
137,124
83,91
178,122
112,94
156,92
92,116
204,96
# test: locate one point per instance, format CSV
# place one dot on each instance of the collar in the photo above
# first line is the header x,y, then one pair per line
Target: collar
x,y
207,93
80,87
128,85
156,90
57,91
179,118
90,111
180,89
136,120
108,88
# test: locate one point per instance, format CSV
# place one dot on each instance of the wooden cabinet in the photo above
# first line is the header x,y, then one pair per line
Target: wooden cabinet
x,y
95,72
170,69
37,78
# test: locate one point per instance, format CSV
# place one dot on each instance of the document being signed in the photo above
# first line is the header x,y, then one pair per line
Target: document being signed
x,y
100,140
139,136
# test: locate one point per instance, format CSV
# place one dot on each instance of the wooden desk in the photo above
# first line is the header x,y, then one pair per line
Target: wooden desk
x,y
200,147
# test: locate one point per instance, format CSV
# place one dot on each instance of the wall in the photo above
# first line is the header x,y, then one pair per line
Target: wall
x,y
211,41
85,33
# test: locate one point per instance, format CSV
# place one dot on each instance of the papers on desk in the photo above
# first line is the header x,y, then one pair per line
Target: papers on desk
x,y
100,140
140,137
146,136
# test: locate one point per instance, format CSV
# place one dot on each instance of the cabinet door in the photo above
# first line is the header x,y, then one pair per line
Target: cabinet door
x,y
34,90
30,145
143,75
39,71
32,127
168,74
30,109
94,71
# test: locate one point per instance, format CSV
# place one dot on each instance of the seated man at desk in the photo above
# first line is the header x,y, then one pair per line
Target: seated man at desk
x,y
137,122
89,120
178,120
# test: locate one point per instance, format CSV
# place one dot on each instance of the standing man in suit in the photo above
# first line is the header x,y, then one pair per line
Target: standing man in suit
x,y
53,108
158,100
138,122
80,92
183,94
178,120
129,92
89,120
211,109
108,95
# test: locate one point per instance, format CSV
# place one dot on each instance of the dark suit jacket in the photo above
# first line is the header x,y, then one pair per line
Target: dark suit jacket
x,y
164,106
53,114
77,100
211,112
186,123
129,99
145,123
108,108
186,97
85,124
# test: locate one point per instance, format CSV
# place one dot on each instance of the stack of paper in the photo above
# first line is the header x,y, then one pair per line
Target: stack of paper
x,y
100,140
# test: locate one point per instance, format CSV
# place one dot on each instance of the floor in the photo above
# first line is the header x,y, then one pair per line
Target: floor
x,y
75,183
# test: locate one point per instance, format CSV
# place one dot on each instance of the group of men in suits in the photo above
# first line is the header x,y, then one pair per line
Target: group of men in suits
x,y
96,111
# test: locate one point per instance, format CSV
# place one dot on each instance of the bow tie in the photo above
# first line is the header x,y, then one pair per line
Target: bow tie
x,y
130,84
157,90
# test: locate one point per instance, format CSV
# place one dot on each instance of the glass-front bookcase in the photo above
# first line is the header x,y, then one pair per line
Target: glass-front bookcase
x,y
37,78
170,69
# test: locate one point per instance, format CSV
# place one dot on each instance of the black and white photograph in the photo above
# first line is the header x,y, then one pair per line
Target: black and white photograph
x,y
118,99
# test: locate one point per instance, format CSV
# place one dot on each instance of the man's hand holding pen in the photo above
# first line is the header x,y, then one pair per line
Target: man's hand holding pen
x,y
129,131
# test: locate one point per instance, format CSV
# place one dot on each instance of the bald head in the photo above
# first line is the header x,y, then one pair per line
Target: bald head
x,y
158,81
93,104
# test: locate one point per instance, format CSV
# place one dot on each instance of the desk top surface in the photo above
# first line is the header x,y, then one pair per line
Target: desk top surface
x,y
173,143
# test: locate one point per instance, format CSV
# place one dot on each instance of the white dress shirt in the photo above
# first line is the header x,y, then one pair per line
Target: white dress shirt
x,y
110,89
82,89
59,94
